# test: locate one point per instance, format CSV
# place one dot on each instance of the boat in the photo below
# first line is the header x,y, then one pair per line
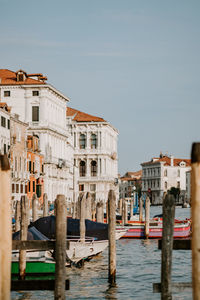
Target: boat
x,y
182,229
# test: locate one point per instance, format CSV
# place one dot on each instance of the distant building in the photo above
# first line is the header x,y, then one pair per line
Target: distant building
x,y
43,108
129,183
35,166
4,128
95,154
161,174
18,157
188,186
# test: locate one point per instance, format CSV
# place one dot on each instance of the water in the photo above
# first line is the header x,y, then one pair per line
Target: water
x,y
138,267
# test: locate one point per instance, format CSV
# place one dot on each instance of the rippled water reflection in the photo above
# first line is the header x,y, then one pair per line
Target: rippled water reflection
x,y
138,267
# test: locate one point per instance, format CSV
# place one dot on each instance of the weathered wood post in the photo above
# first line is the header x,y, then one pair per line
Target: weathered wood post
x,y
147,217
124,213
140,209
45,205
74,210
6,228
120,206
23,235
93,205
17,216
82,218
111,237
88,206
60,248
195,213
99,211
34,208
167,246
78,205
107,211
131,208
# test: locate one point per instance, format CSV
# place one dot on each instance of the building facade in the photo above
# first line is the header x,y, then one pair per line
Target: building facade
x,y
161,174
4,128
129,184
43,108
95,155
18,158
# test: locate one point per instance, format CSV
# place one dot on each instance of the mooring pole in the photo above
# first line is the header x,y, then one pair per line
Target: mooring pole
x,y
17,216
140,209
195,213
45,205
147,217
88,206
99,211
34,208
111,237
23,235
60,248
6,228
167,246
82,218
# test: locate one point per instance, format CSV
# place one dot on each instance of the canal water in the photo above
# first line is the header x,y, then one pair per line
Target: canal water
x,y
138,267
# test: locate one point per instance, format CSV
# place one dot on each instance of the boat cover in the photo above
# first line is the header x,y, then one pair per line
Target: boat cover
x,y
33,234
46,226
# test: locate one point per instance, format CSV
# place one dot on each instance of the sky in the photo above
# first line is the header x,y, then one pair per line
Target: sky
x,y
135,63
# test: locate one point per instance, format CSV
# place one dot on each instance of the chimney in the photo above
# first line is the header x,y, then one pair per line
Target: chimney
x,y
172,160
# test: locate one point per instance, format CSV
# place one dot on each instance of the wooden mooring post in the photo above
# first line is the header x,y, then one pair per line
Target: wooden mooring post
x,y
60,248
17,216
23,235
111,237
99,211
140,209
195,211
88,206
45,205
6,228
147,217
34,208
82,217
167,246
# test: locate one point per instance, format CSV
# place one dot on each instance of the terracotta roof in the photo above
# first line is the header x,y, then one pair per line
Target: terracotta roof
x,y
167,161
4,105
130,176
8,77
81,116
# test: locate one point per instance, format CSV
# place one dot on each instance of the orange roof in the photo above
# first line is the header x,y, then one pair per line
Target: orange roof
x,y
8,77
167,161
130,176
4,105
81,116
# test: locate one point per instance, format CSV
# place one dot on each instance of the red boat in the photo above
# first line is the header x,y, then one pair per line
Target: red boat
x,y
182,229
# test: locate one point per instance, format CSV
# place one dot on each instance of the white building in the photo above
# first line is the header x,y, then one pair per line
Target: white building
x,y
161,174
44,109
129,183
188,186
4,128
95,154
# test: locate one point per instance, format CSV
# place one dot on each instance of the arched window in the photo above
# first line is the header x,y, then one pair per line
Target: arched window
x,y
82,168
82,141
93,141
93,168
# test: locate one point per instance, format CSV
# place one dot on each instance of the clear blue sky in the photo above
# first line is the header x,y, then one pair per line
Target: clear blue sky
x,y
134,63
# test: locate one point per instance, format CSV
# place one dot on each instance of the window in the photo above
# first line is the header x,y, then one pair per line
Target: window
x,y
74,140
13,188
3,121
6,93
29,186
92,187
17,188
29,166
93,141
81,187
8,124
165,172
25,189
35,113
93,168
33,186
35,93
165,184
21,189
82,141
178,173
82,169
178,184
4,148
